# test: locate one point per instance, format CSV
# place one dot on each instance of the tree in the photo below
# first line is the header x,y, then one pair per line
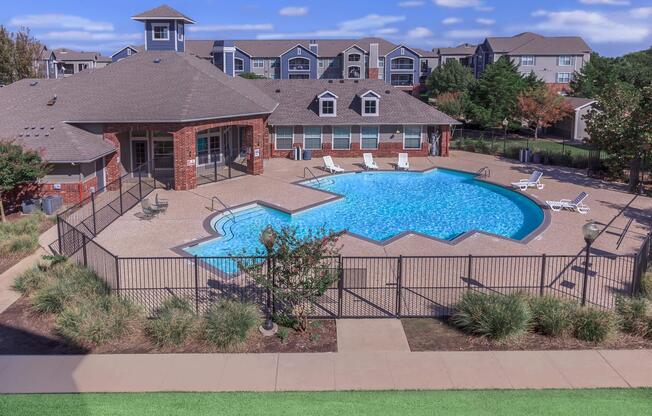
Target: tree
x,y
452,76
594,76
6,57
541,107
494,97
452,103
636,68
27,51
302,270
18,166
251,75
621,124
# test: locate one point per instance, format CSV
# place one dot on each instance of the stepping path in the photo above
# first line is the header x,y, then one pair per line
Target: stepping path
x,y
371,335
395,370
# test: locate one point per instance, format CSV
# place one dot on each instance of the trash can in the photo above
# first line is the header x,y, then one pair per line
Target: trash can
x,y
307,154
297,153
28,206
52,203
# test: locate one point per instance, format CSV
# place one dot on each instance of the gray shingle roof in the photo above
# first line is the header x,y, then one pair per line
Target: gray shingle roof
x,y
162,12
463,49
298,103
535,44
64,54
577,102
326,47
201,48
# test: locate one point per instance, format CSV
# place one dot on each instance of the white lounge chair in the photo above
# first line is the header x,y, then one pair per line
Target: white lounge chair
x,y
403,162
369,161
534,181
330,166
576,204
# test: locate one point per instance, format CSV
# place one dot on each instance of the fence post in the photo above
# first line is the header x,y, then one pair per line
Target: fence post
x,y
196,285
215,167
399,285
93,207
120,194
140,187
229,161
59,233
543,274
84,250
468,272
340,286
117,274
635,272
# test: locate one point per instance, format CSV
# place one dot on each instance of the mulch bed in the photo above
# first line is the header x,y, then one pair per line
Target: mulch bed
x,y
437,335
24,332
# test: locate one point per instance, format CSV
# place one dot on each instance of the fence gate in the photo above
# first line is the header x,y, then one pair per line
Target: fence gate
x,y
368,287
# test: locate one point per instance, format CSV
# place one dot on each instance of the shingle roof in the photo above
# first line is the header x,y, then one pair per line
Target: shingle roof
x,y
326,47
577,102
426,54
535,44
162,11
298,103
64,54
181,87
201,48
463,49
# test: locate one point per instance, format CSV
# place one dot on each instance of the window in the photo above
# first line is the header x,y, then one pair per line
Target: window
x,y
284,138
299,64
259,63
401,79
563,77
354,57
369,106
128,51
327,107
369,138
238,65
403,64
208,146
81,67
299,76
354,72
381,62
312,138
402,51
412,137
160,31
424,65
298,51
565,60
322,63
341,138
527,60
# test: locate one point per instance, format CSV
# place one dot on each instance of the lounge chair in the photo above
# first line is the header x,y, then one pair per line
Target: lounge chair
x,y
403,162
534,181
576,204
161,204
330,166
148,208
369,161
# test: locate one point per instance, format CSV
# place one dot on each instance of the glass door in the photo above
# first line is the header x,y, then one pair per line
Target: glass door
x,y
139,157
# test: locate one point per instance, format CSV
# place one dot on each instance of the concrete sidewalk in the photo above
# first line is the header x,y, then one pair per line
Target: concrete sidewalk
x,y
326,371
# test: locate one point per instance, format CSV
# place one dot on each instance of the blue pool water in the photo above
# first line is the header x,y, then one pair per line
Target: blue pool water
x,y
379,205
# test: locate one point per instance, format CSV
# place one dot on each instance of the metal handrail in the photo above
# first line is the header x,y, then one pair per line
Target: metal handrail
x,y
226,207
312,173
485,172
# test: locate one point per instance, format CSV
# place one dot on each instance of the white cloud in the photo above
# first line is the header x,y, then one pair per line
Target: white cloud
x,y
484,21
419,33
293,11
468,33
81,35
416,3
451,21
371,21
232,27
458,3
593,26
60,21
386,31
641,13
607,2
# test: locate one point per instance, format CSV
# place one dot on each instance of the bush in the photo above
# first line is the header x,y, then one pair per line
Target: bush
x,y
552,316
19,237
646,285
632,315
492,315
95,321
174,323
593,325
31,280
228,323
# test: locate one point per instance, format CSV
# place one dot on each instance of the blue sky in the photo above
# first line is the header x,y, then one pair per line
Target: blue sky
x,y
611,27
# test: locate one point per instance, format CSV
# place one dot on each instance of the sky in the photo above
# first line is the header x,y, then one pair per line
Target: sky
x,y
611,27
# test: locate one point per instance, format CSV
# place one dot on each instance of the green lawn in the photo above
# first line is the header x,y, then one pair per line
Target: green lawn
x,y
539,145
628,402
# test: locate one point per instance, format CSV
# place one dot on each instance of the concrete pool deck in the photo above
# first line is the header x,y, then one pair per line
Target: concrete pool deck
x,y
183,222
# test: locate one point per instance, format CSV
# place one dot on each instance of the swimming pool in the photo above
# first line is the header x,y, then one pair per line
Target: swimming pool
x,y
439,203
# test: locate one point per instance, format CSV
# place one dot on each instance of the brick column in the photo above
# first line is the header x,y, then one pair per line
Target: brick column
x,y
254,140
185,153
444,140
374,73
112,161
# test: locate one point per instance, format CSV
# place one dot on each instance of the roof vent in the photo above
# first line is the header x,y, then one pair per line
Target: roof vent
x,y
157,60
52,101
278,91
341,81
330,81
355,81
33,83
387,91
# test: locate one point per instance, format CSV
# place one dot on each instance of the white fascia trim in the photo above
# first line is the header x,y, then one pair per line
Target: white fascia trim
x,y
370,92
185,19
327,92
406,47
187,120
354,46
298,45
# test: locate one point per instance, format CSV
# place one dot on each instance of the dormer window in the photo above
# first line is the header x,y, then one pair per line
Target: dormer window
x,y
160,31
327,104
354,57
370,103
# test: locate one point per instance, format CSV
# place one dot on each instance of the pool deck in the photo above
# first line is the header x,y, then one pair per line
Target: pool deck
x,y
184,221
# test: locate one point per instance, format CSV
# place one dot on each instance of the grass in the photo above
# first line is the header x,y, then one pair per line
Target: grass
x,y
20,237
483,402
538,145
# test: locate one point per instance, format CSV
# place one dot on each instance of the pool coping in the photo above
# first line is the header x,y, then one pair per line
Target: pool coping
x,y
213,233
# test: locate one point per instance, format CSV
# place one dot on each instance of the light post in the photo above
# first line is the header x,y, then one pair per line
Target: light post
x,y
268,238
590,230
505,124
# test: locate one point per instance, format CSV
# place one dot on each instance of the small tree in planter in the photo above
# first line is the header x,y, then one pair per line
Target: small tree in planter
x,y
300,270
18,166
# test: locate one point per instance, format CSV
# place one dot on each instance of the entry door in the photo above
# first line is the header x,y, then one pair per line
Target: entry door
x,y
139,157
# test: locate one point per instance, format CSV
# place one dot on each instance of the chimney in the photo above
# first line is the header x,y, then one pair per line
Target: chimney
x,y
374,71
314,47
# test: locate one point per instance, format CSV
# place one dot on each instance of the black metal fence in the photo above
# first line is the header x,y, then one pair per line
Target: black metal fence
x,y
370,287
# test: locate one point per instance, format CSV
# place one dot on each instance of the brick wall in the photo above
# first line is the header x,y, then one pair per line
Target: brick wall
x,y
71,193
385,149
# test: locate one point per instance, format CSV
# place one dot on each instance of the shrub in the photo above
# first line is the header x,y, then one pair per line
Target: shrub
x,y
492,315
593,325
19,244
95,321
30,281
286,320
646,285
175,321
632,315
228,323
18,237
552,316
282,334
